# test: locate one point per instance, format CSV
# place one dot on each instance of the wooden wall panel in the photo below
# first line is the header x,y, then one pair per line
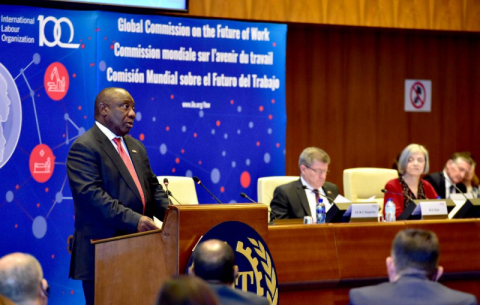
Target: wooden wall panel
x,y
452,15
345,94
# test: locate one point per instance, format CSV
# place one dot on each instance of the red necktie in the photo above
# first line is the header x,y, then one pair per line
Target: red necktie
x,y
130,168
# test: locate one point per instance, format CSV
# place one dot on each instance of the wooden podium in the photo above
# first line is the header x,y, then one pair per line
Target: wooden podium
x,y
130,269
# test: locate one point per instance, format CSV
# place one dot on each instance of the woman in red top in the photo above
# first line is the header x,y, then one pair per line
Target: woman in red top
x,y
412,164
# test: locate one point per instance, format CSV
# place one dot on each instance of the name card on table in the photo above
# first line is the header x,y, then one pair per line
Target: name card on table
x,y
431,209
363,212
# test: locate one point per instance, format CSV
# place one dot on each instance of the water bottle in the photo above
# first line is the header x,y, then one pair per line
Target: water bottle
x,y
390,211
321,214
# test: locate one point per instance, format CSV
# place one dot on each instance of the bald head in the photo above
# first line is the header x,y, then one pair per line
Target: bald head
x,y
214,261
20,277
107,96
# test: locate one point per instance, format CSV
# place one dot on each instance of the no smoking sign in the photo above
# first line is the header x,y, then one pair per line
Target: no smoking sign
x,y
418,95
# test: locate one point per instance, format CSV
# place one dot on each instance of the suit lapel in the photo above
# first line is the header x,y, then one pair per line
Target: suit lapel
x,y
303,198
113,154
327,192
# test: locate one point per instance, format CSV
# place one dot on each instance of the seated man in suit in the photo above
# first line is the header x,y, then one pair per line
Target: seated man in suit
x,y
299,198
21,280
214,262
453,174
413,272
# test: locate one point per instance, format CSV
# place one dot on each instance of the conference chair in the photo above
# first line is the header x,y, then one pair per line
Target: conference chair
x,y
266,186
361,183
182,188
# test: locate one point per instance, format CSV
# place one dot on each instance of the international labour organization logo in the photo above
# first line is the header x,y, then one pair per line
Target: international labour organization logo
x,y
256,269
10,115
59,25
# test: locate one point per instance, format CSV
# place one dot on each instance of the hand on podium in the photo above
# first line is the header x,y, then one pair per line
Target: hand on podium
x,y
146,224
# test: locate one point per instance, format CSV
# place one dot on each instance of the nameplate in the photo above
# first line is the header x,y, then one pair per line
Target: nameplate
x,y
361,212
432,209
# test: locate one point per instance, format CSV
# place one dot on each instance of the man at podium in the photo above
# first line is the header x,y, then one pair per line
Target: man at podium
x,y
299,198
114,189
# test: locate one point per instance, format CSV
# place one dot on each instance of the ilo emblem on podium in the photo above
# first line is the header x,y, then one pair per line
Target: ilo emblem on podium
x,y
256,270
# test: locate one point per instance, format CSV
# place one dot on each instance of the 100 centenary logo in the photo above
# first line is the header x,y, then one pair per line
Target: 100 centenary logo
x,y
57,32
256,268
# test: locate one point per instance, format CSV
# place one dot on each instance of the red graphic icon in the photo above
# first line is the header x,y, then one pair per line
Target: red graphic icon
x,y
418,95
56,81
42,163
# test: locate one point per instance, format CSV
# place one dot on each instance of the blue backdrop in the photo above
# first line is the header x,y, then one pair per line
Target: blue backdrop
x,y
210,101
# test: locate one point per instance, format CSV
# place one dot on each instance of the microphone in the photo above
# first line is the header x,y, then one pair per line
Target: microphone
x,y
458,190
165,182
269,208
171,195
395,193
197,181
307,188
246,197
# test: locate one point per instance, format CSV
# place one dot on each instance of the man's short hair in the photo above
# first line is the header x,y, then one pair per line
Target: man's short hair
x,y
214,266
184,289
20,277
312,154
464,155
417,249
409,151
105,97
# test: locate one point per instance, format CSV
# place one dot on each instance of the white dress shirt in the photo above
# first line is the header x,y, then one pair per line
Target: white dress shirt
x,y
110,135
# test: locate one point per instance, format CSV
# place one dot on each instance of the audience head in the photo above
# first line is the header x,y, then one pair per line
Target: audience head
x,y
458,166
414,251
21,279
414,160
313,164
186,290
214,261
115,109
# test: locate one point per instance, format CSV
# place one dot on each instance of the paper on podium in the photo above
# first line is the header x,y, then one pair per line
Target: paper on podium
x,y
158,222
341,199
338,199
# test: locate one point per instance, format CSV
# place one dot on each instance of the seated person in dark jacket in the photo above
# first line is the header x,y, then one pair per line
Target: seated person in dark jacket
x,y
454,172
413,272
299,198
214,262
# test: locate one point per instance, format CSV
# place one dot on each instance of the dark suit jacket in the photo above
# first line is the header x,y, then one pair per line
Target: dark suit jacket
x,y
411,290
437,180
106,199
229,296
290,201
